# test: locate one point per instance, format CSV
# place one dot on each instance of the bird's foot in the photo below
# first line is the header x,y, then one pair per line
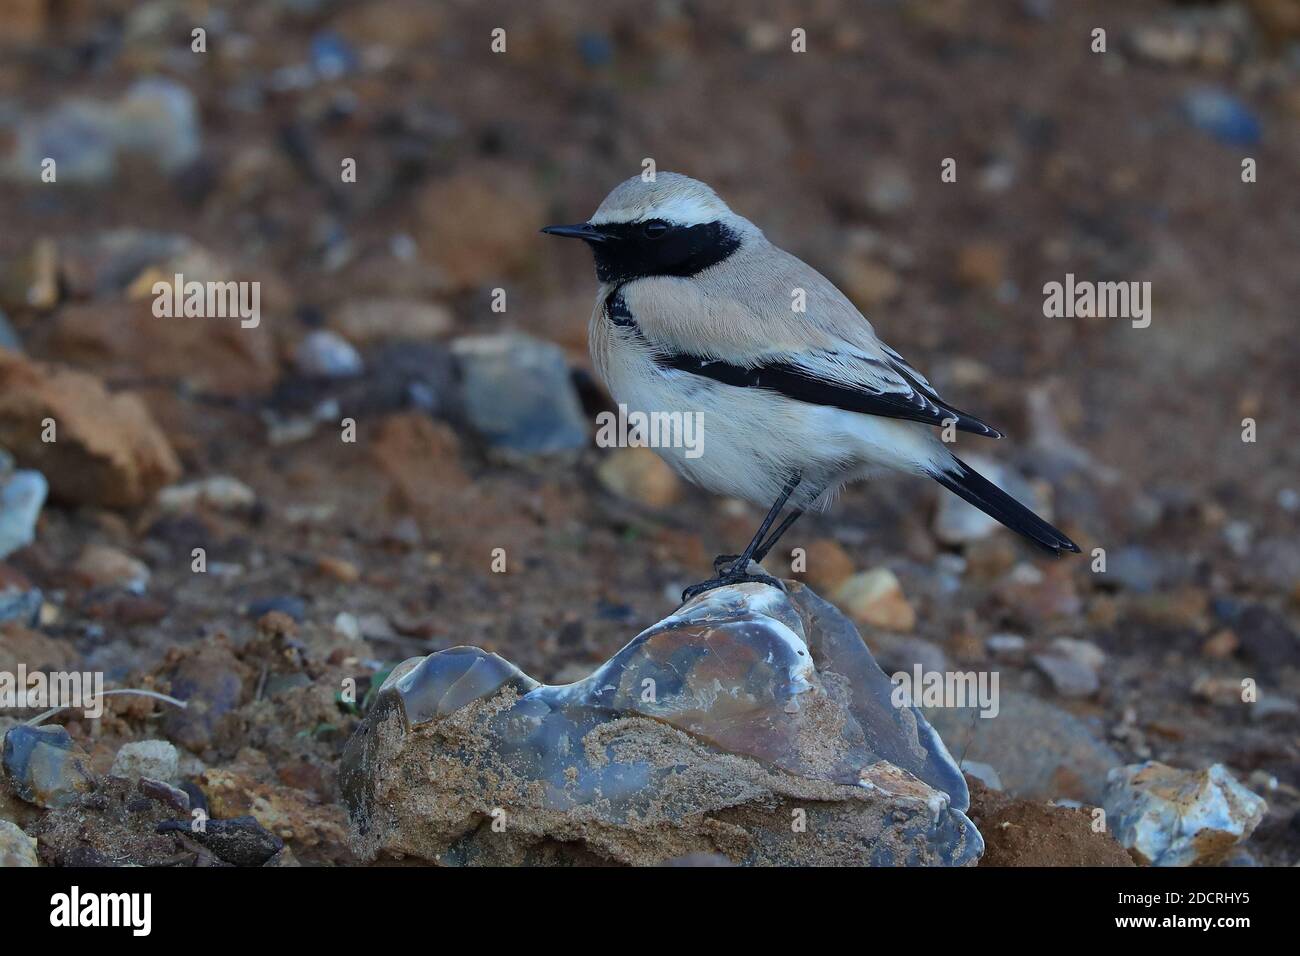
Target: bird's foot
x,y
726,578
723,563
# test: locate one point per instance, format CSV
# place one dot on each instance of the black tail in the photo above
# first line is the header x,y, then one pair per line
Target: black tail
x,y
969,484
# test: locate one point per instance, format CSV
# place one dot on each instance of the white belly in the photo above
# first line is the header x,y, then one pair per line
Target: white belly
x,y
751,441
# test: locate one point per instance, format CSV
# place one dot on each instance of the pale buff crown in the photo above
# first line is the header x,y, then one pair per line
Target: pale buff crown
x,y
671,196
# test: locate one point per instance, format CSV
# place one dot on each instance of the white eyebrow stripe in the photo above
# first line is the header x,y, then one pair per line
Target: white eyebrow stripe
x,y
681,210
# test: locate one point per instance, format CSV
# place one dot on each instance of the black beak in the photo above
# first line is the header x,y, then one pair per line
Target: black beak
x,y
581,230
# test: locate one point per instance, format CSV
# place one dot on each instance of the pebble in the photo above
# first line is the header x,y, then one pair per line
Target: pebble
x,y
154,759
888,189
1135,568
1040,750
639,475
363,321
827,565
1085,653
1267,637
596,49
158,119
326,354
1006,647
77,134
347,625
332,56
516,392
20,602
1223,116
214,681
239,841
1170,44
32,281
869,282
44,766
876,598
1276,561
16,847
1271,705
110,453
1069,677
162,792
1220,645
982,772
219,492
9,338
897,653
339,569
108,567
1040,593
22,495
1224,691
295,607
982,265
1172,817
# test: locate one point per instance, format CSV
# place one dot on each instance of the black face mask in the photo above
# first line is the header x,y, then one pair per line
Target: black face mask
x,y
657,248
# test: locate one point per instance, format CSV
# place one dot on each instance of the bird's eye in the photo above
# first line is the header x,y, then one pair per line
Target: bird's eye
x,y
655,229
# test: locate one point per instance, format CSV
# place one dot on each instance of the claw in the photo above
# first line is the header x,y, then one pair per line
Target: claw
x,y
722,581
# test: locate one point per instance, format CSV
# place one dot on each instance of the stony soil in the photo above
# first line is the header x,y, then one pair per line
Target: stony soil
x,y
376,550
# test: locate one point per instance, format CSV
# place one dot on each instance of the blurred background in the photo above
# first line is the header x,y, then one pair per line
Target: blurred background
x,y
419,303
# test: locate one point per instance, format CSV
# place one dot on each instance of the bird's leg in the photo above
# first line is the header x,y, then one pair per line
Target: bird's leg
x,y
775,536
742,562
727,560
737,571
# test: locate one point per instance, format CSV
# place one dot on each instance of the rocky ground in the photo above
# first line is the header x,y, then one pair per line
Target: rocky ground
x,y
398,457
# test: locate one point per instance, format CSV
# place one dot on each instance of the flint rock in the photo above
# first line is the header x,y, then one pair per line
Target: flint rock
x,y
155,759
1040,752
43,766
240,841
108,452
516,393
641,476
20,601
124,340
103,566
9,337
365,321
326,354
1222,115
21,496
157,119
876,598
16,847
1171,817
218,492
1072,666
751,723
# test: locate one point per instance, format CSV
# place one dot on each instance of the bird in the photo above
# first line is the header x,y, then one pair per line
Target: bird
x,y
697,312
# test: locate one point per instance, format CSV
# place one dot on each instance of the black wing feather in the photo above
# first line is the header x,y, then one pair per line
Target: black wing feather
x,y
798,383
920,403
